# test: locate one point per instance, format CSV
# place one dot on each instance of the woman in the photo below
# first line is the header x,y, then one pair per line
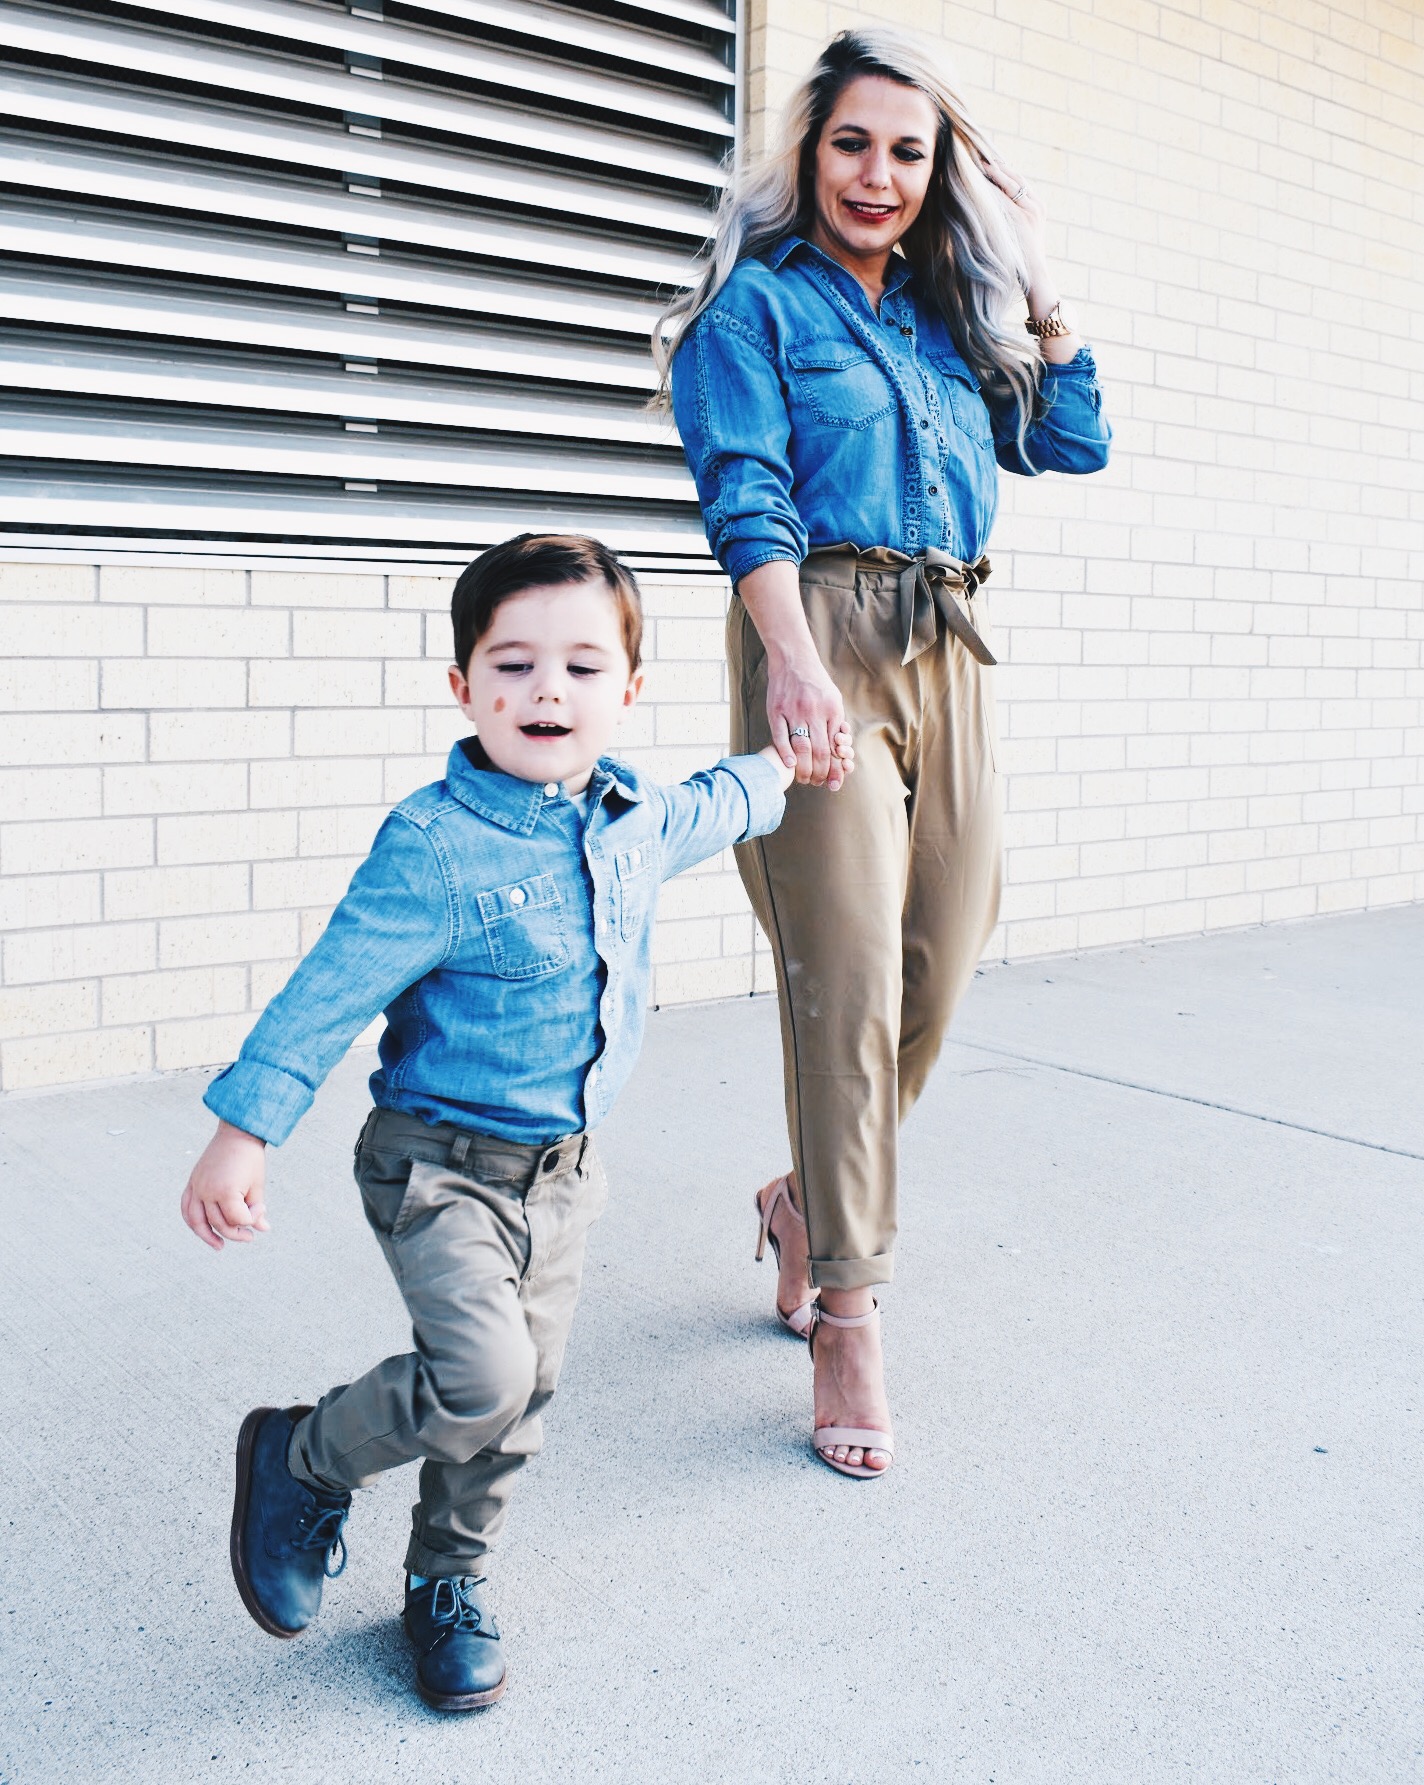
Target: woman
x,y
847,380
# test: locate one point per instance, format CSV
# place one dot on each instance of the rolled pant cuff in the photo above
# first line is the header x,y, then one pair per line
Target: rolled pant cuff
x,y
852,1273
432,1564
301,1470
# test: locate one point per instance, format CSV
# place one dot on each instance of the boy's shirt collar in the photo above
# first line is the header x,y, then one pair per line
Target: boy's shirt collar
x,y
513,804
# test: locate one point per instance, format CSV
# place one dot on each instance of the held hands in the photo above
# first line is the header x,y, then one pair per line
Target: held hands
x,y
809,733
224,1199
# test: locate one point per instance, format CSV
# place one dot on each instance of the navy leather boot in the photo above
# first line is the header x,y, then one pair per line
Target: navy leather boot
x,y
284,1534
459,1659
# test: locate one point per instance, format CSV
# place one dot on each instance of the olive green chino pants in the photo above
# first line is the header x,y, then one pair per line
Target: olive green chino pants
x,y
877,899
486,1241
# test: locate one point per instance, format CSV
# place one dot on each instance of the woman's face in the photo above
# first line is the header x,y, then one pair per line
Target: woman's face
x,y
873,167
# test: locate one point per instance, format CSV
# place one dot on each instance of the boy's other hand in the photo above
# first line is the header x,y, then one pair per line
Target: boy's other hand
x,y
224,1199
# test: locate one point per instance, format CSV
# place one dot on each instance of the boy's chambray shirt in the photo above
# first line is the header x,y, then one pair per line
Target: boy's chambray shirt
x,y
810,421
507,938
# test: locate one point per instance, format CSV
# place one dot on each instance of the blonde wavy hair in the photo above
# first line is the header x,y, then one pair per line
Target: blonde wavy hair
x,y
962,246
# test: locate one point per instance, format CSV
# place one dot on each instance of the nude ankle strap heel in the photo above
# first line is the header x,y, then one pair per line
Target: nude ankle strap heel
x,y
825,1439
798,1321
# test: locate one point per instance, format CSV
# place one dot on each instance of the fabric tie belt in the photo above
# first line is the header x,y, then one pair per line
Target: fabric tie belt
x,y
930,586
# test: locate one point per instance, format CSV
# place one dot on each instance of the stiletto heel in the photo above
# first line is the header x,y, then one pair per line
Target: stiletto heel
x,y
825,1439
798,1321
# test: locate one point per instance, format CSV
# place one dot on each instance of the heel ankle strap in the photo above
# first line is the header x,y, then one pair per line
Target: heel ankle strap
x,y
847,1319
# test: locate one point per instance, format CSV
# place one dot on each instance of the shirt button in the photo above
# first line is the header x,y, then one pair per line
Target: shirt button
x,y
934,489
924,424
551,790
517,895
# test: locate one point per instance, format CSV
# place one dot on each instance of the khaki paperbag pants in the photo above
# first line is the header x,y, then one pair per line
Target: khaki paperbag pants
x,y
878,899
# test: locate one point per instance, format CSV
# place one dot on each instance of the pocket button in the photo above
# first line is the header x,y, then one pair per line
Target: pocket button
x,y
517,895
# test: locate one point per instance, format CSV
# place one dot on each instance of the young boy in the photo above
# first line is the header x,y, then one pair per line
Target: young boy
x,y
502,921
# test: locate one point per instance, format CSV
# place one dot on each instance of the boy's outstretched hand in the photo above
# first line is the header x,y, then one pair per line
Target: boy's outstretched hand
x,y
224,1199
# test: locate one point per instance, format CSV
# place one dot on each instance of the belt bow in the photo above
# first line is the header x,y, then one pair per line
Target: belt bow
x,y
931,584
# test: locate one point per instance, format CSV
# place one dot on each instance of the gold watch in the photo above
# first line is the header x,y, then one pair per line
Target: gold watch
x,y
1051,325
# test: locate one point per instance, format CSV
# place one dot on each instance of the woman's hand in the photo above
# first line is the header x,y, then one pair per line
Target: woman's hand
x,y
1026,213
803,705
1030,222
808,723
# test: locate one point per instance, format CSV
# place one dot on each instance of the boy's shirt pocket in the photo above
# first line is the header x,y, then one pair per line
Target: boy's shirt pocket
x,y
635,889
524,928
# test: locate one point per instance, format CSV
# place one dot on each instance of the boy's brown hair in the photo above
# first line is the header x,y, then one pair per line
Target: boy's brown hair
x,y
541,561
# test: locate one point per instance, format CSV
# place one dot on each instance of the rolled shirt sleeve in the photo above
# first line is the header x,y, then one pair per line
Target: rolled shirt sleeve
x,y
1069,431
394,924
731,413
739,799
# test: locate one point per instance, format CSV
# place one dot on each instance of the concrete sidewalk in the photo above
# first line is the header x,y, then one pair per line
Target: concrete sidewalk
x,y
1155,1360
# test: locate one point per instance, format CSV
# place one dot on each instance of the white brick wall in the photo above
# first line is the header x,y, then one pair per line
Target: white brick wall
x,y
196,760
1210,703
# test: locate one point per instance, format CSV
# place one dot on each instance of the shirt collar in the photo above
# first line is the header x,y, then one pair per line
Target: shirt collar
x,y
513,804
900,268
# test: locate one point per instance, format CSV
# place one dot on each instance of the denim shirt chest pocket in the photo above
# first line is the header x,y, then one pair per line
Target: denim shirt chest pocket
x,y
524,928
636,886
971,415
840,383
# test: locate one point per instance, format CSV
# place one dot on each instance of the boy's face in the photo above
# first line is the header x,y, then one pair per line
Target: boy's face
x,y
548,683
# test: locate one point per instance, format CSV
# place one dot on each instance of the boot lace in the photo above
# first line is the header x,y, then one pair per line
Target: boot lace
x,y
453,1603
319,1527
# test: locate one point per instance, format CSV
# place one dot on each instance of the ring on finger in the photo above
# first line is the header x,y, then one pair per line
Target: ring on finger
x,y
799,731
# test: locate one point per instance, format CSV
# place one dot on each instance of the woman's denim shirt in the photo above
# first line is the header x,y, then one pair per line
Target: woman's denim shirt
x,y
810,421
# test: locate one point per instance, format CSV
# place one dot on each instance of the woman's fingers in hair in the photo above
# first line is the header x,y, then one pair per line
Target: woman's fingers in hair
x,y
1005,179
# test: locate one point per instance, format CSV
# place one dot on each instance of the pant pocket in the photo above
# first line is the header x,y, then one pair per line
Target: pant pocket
x,y
384,1180
988,706
988,700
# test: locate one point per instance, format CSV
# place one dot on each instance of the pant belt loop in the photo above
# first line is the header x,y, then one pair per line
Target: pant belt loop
x,y
460,1150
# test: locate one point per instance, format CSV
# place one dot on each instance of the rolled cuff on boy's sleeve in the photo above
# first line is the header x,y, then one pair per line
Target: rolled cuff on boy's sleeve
x,y
260,1099
759,781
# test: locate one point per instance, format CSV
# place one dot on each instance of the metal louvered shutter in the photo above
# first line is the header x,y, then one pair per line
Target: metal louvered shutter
x,y
280,273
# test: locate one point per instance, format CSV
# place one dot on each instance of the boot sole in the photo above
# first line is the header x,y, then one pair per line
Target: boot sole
x,y
462,1701
237,1543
